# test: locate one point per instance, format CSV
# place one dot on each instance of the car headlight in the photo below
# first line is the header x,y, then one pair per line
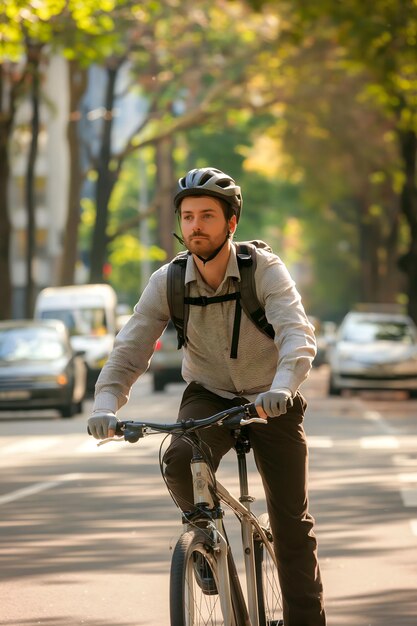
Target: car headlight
x,y
59,379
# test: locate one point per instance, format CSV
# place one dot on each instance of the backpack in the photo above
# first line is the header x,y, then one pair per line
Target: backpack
x,y
179,299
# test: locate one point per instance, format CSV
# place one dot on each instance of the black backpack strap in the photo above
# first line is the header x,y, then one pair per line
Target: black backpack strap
x,y
246,258
176,295
179,301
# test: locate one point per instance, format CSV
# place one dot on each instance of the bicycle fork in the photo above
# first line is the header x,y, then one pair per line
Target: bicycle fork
x,y
247,535
203,498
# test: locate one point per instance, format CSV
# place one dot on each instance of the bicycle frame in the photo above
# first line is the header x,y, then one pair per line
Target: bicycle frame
x,y
202,485
209,493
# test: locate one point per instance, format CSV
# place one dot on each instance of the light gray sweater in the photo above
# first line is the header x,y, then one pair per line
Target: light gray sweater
x,y
261,363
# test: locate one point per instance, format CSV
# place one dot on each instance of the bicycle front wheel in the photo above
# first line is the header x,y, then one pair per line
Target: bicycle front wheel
x,y
267,582
194,584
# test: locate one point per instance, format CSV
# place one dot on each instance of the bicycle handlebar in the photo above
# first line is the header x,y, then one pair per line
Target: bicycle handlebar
x,y
233,418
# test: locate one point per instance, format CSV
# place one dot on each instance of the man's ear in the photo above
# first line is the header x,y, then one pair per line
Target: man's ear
x,y
232,224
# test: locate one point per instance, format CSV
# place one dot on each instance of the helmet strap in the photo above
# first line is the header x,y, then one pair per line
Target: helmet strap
x,y
182,242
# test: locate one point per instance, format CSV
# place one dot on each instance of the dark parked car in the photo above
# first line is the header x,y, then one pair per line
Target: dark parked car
x,y
167,360
39,369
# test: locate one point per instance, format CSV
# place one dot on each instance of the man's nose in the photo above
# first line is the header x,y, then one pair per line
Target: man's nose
x,y
197,223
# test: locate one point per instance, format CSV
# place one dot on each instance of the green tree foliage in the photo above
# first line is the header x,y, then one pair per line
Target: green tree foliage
x,y
190,64
382,42
27,31
375,44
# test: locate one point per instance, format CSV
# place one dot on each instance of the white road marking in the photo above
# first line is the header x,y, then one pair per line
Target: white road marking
x,y
409,496
405,459
385,442
320,442
372,415
37,488
29,444
413,524
407,478
375,416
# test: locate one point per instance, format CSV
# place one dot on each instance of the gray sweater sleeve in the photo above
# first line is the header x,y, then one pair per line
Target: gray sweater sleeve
x,y
134,346
294,334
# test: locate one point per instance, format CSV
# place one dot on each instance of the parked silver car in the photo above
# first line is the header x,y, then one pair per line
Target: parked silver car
x,y
374,351
39,369
166,362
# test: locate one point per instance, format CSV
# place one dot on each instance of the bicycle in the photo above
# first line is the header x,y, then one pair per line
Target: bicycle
x,y
204,582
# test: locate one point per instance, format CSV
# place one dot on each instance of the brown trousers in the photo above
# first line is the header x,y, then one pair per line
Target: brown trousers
x,y
281,456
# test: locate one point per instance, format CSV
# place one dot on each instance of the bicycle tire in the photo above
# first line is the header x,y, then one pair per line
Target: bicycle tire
x,y
267,581
194,600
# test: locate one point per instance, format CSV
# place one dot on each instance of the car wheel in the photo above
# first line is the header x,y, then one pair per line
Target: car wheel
x,y
159,382
333,389
68,410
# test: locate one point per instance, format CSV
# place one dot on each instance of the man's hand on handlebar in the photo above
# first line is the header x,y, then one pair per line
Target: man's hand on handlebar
x,y
273,403
102,424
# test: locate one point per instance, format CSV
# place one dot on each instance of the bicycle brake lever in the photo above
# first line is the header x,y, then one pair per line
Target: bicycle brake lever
x,y
253,420
108,439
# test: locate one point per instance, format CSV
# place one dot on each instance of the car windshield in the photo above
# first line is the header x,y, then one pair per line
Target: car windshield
x,y
375,330
85,322
30,344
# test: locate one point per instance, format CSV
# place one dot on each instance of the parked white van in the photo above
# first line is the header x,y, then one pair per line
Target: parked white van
x,y
89,312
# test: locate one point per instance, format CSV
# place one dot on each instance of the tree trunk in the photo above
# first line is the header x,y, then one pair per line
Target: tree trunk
x,y
77,86
408,263
391,279
105,182
368,233
164,199
5,227
33,52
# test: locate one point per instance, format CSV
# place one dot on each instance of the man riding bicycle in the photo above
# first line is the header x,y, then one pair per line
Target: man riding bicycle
x,y
229,360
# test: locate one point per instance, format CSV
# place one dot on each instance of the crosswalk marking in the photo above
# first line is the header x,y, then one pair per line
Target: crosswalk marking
x,y
22,450
320,442
409,496
385,442
30,444
405,459
408,478
15,449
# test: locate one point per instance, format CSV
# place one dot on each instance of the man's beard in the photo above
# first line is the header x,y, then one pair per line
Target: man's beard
x,y
204,245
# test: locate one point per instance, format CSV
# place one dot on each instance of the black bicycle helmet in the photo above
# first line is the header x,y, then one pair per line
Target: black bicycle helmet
x,y
208,181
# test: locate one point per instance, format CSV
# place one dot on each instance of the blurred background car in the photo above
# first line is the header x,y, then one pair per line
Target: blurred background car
x,y
324,332
166,362
123,315
89,313
374,350
39,369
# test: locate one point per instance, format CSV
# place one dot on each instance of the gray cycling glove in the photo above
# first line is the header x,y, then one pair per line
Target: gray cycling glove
x,y
100,422
275,402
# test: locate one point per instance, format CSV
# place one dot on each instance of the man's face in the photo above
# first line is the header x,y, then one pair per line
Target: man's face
x,y
203,224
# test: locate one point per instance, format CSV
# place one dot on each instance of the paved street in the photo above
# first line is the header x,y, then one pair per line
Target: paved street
x,y
87,532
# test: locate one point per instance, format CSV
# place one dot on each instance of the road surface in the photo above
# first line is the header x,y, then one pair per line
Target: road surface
x,y
87,533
